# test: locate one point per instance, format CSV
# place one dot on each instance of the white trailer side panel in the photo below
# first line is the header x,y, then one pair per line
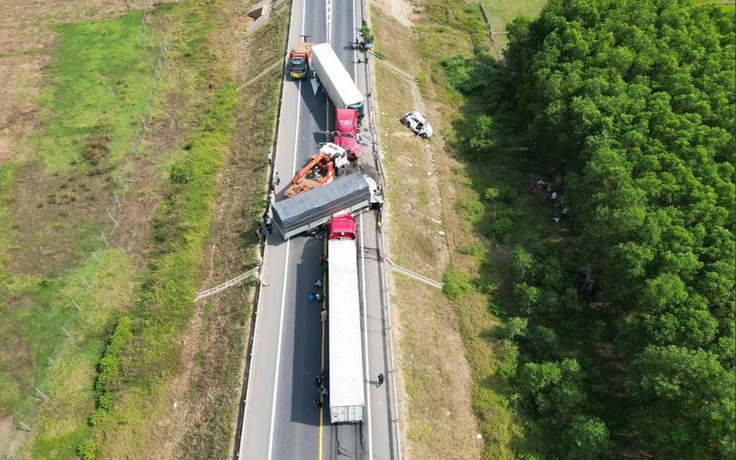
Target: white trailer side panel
x,y
334,78
346,380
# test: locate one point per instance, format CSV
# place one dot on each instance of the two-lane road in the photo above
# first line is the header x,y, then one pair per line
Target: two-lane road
x,y
280,420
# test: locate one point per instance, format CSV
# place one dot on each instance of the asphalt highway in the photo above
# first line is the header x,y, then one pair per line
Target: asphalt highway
x,y
290,343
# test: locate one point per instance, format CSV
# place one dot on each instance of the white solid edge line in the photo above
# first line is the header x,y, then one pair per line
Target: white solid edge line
x,y
286,273
365,305
365,345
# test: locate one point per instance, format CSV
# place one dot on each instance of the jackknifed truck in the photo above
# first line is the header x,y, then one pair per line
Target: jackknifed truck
x,y
335,80
310,210
347,386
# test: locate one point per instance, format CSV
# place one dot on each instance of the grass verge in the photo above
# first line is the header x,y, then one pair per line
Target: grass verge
x,y
483,210
181,228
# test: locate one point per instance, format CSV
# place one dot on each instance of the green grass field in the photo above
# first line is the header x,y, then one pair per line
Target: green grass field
x,y
98,84
98,79
501,12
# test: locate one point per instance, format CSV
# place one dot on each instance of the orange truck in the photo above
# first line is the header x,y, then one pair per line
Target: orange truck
x,y
321,169
300,58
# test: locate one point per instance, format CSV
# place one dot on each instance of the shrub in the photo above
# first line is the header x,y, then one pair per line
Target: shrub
x,y
109,368
180,173
508,195
509,359
87,450
491,194
456,285
501,228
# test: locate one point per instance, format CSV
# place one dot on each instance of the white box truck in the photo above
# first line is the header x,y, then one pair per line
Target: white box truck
x,y
335,80
347,380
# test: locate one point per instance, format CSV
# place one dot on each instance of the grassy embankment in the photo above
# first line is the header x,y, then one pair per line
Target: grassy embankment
x,y
87,71
476,261
178,349
131,400
95,87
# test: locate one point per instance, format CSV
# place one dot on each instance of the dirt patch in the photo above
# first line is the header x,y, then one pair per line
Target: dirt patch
x,y
435,380
137,208
399,10
50,215
10,438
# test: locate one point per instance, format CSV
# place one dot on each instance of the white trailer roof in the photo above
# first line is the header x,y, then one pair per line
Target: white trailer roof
x,y
346,352
332,73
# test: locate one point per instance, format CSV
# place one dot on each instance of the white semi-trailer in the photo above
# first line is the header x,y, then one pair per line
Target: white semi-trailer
x,y
346,381
335,80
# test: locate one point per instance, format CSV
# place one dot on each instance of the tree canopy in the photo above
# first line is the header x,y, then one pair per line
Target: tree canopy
x,y
633,103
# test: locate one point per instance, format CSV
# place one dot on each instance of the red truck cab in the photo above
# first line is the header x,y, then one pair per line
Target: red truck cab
x,y
346,132
342,227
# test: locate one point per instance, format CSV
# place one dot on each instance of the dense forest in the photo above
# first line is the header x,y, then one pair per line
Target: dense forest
x,y
625,332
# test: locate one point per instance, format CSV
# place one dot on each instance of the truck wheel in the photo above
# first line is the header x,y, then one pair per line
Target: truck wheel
x,y
340,172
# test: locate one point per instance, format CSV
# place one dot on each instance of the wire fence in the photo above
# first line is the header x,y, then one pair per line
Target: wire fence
x,y
42,389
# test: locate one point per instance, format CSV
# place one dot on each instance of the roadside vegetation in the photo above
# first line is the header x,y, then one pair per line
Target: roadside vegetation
x,y
138,347
53,209
597,322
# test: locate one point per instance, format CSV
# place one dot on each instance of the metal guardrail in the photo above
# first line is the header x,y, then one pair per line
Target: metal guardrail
x,y
229,283
416,276
375,134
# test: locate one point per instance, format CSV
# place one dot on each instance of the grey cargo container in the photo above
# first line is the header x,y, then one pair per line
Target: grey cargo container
x,y
311,209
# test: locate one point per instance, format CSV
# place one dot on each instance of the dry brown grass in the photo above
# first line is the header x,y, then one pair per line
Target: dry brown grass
x,y
205,388
434,371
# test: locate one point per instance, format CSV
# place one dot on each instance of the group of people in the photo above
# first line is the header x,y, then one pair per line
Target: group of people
x,y
561,208
318,296
321,381
265,228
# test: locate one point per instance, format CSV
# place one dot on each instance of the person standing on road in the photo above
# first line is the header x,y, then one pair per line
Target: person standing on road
x,y
324,315
277,179
321,377
380,380
317,403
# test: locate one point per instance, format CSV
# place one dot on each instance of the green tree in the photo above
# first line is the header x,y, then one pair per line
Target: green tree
x,y
484,136
587,439
685,403
553,388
